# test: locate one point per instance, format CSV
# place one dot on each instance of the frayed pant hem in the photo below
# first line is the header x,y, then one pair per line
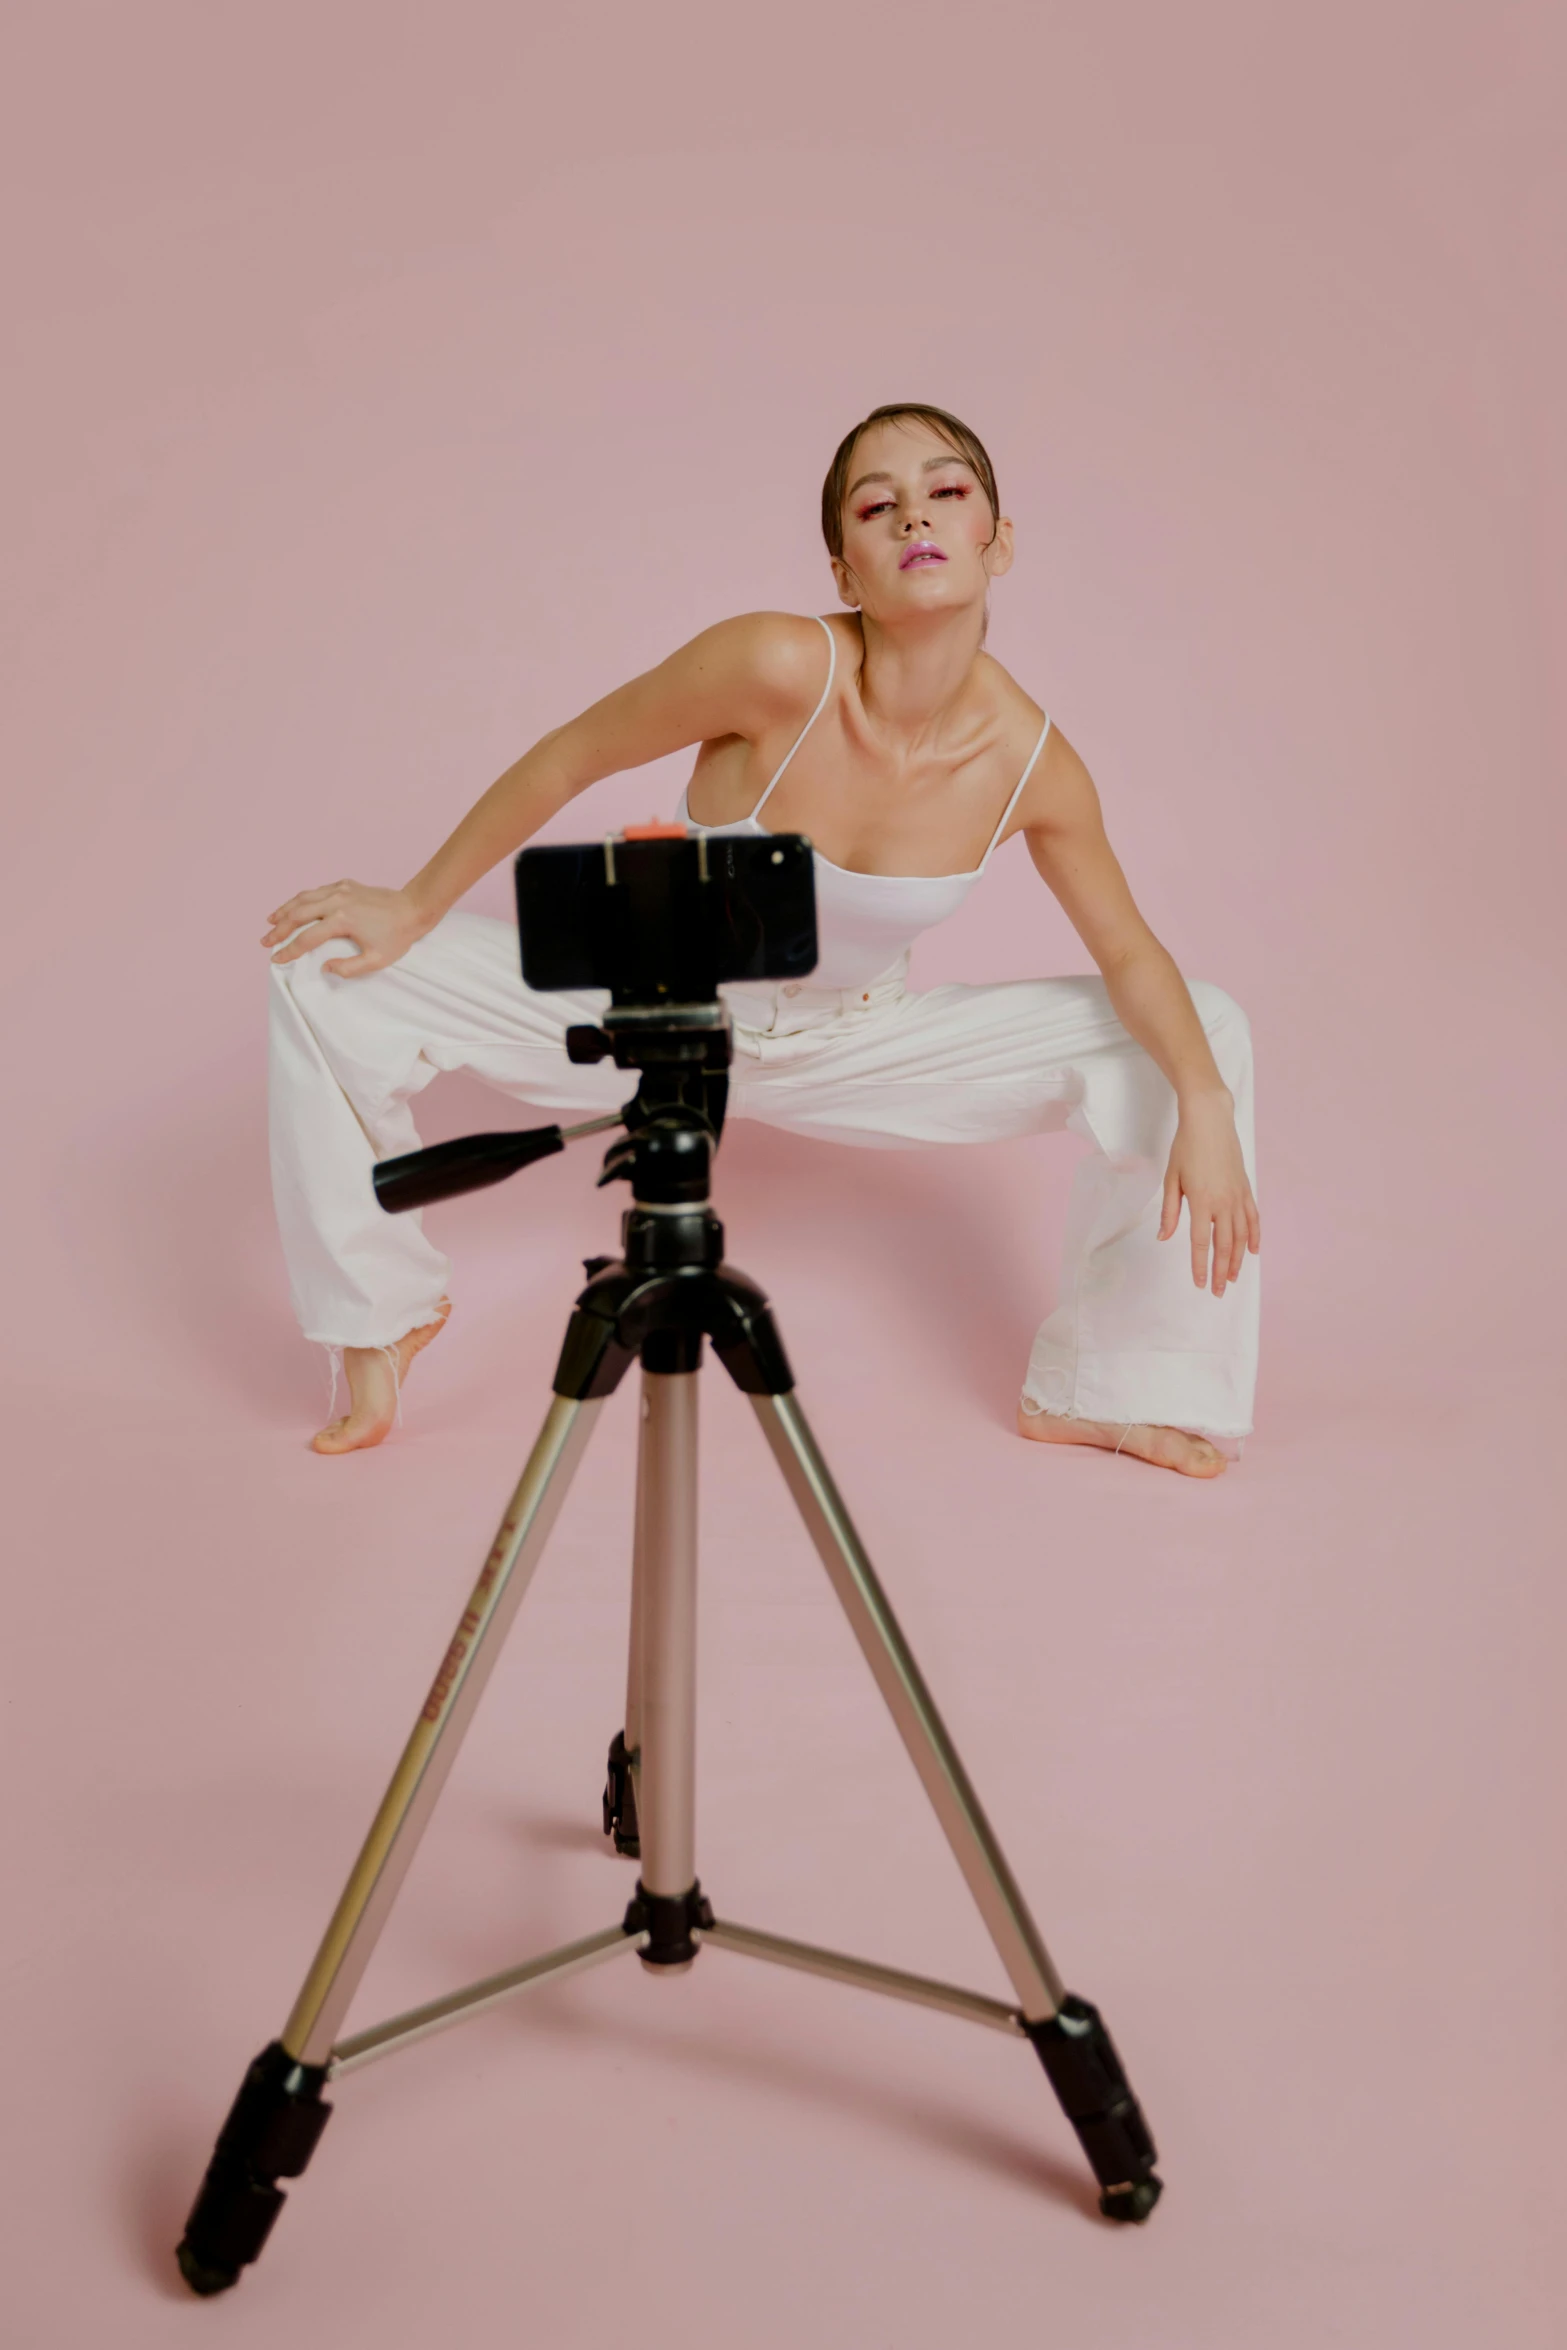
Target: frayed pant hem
x,y
1215,1432
379,1345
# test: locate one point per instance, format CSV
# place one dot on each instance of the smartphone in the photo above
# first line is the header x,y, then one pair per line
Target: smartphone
x,y
661,915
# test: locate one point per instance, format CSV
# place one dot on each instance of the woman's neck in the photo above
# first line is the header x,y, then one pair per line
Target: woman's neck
x,y
914,677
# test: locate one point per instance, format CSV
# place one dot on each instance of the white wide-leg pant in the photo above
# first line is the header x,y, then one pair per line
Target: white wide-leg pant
x,y
1133,1338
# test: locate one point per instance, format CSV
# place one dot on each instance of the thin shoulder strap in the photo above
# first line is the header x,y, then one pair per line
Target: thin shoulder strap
x,y
832,671
1006,813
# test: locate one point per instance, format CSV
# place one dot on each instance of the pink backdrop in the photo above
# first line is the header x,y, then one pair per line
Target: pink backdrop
x,y
384,384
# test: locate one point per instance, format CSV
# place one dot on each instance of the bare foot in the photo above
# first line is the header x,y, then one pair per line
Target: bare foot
x,y
1166,1448
372,1388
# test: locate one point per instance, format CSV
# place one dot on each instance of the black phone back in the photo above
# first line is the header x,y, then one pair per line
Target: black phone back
x,y
666,918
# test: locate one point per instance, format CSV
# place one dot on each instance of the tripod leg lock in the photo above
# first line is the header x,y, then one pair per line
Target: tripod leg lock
x,y
270,2134
620,1803
1086,2074
668,1920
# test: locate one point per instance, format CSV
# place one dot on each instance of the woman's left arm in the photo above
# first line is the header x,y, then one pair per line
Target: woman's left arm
x,y
1064,828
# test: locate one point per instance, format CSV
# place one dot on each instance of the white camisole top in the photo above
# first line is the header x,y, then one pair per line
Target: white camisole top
x,y
866,921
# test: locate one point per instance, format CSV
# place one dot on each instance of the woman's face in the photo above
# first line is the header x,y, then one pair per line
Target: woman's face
x,y
918,533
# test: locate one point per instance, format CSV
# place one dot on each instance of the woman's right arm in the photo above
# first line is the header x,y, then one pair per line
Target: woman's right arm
x,y
738,679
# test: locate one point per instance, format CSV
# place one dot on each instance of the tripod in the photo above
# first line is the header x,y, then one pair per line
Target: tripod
x,y
655,1304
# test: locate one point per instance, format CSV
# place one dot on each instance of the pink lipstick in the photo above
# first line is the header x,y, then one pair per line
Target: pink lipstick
x,y
922,551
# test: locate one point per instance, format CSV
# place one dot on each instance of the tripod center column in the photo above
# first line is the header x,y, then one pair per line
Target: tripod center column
x,y
666,1778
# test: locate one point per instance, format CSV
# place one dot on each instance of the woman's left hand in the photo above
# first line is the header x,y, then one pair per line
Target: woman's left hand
x,y
1207,1170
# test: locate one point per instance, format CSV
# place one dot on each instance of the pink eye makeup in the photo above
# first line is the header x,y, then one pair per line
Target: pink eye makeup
x,y
948,489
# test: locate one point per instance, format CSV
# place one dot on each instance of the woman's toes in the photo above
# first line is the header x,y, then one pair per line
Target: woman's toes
x,y
366,1424
350,1435
1201,1459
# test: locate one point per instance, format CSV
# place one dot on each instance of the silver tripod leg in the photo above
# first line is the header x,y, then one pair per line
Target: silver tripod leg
x,y
430,1752
664,1634
632,1729
1039,1988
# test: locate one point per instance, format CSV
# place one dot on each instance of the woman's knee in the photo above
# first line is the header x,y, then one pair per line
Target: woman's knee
x,y
300,981
340,1013
1227,1029
1219,1013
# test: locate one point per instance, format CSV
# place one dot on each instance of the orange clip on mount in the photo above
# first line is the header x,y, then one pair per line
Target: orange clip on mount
x,y
655,829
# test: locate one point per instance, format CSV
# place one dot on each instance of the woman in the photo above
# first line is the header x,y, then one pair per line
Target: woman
x,y
908,755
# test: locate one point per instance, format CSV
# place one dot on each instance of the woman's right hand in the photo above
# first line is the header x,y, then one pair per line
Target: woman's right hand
x,y
382,924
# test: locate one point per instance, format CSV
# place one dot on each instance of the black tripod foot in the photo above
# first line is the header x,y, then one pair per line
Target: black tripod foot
x,y
1086,2074
1132,2202
620,1801
201,2279
270,2134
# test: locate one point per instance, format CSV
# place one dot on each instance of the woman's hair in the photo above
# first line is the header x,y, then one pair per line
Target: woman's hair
x,y
968,445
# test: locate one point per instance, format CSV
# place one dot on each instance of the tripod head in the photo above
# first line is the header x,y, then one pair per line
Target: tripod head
x,y
659,917
672,1122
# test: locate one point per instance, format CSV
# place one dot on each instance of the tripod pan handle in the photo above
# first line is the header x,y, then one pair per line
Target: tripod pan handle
x,y
467,1164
